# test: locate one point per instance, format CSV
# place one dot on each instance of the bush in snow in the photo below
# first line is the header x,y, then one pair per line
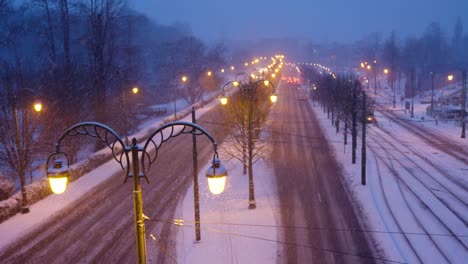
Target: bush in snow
x,y
6,189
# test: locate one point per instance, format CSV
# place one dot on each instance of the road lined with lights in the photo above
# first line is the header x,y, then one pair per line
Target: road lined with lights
x,y
310,188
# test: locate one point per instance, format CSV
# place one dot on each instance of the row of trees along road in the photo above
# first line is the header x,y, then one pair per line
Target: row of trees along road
x,y
341,97
79,58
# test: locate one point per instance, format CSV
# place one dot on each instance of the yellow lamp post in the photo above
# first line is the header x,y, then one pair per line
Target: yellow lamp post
x,y
137,161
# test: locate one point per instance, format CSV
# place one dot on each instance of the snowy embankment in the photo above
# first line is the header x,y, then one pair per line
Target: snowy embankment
x,y
415,197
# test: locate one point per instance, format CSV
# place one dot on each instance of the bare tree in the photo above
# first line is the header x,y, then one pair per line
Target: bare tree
x,y
247,113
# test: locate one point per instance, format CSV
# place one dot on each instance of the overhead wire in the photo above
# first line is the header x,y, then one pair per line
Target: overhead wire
x,y
284,242
181,222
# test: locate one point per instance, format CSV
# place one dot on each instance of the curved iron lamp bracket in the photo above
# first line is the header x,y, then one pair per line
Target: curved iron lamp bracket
x,y
106,135
172,129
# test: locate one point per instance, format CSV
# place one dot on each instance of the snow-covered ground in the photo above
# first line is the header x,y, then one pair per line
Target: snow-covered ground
x,y
416,196
229,230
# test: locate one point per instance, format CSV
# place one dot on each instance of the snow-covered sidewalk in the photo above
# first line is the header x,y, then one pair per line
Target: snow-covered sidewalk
x,y
230,232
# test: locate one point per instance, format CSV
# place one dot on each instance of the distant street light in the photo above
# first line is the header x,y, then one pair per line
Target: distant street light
x,y
137,161
450,77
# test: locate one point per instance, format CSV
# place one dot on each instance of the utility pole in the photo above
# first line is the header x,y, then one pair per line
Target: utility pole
x,y
412,93
463,104
432,94
392,75
196,196
354,125
363,164
252,204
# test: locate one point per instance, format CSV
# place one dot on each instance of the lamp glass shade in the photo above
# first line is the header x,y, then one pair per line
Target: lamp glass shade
x,y
266,82
217,184
135,90
58,176
273,98
37,106
235,83
223,100
216,175
58,185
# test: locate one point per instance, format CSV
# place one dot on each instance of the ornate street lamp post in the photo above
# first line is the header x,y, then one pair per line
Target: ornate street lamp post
x,y
136,168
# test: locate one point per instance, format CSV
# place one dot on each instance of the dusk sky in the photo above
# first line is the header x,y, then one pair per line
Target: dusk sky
x,y
325,20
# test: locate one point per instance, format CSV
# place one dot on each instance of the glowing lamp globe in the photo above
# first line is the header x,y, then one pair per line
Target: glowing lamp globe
x,y
37,106
266,82
235,83
223,100
135,90
58,177
273,98
216,175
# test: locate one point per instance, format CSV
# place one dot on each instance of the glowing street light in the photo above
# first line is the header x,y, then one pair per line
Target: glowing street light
x,y
385,71
273,98
135,90
232,68
223,99
184,78
37,106
209,73
450,77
